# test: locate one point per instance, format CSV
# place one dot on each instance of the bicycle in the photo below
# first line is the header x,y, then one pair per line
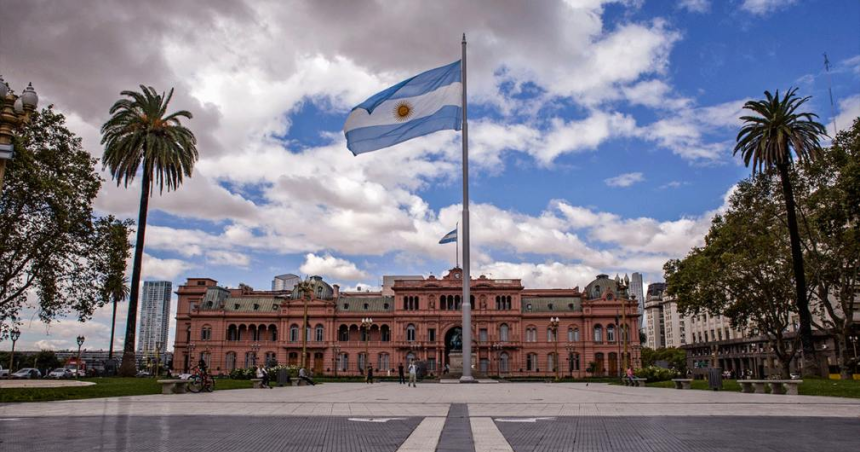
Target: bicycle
x,y
201,381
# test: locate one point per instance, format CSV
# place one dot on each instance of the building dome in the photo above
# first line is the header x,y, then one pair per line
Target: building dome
x,y
596,288
322,290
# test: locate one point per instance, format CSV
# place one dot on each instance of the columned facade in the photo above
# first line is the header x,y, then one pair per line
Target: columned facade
x,y
511,332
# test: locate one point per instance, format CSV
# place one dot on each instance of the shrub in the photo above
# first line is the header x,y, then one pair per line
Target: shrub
x,y
654,373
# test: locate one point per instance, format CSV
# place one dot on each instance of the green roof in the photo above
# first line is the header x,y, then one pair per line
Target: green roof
x,y
552,304
365,304
252,304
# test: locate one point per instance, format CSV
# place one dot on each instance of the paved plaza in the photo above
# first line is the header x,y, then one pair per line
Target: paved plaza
x,y
392,417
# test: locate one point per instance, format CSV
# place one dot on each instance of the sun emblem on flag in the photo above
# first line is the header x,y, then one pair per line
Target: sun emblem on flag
x,y
403,111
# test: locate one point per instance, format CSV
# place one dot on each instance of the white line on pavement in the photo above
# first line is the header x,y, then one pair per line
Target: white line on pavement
x,y
487,436
425,437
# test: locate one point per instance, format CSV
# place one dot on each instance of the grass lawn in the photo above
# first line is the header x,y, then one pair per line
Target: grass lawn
x,y
810,386
104,387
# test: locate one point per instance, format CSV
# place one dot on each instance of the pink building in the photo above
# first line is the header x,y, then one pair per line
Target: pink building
x,y
412,319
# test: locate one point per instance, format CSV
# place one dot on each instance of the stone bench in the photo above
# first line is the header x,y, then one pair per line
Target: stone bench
x,y
636,381
788,387
173,386
682,383
257,383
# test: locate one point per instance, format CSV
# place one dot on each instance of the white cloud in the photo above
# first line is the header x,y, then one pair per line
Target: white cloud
x,y
849,111
221,257
624,180
332,267
695,6
764,7
550,274
162,269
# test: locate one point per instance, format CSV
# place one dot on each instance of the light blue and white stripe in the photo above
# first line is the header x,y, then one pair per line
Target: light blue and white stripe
x,y
429,102
449,237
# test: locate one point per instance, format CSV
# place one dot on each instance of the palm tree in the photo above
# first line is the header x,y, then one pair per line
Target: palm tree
x,y
766,141
116,290
140,133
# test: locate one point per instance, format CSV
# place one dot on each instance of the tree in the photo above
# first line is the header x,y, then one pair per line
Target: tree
x,y
766,141
141,135
113,237
744,269
48,242
676,357
829,200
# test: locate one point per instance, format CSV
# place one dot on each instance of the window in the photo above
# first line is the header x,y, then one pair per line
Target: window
x,y
504,360
271,360
598,333
550,335
531,334
549,306
274,333
574,361
531,361
249,359
343,333
362,361
383,364
366,306
431,334
410,333
231,333
206,333
230,361
550,362
294,333
319,333
343,361
346,306
482,335
503,332
610,333
385,333
529,307
570,334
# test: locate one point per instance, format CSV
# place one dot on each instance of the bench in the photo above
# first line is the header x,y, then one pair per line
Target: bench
x,y
788,387
682,383
173,386
257,383
635,382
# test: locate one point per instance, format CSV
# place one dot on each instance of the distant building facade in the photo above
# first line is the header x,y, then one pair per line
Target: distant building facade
x,y
285,282
664,326
154,315
420,320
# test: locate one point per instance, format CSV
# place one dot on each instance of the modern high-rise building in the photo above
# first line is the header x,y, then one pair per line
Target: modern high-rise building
x,y
154,315
285,282
637,290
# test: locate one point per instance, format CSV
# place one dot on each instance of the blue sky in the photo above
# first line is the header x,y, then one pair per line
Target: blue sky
x,y
601,131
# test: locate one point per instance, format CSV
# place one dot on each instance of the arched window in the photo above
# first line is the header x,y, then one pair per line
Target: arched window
x,y
570,334
498,303
242,333
531,361
294,333
271,359
598,333
273,333
410,333
232,333
576,335
457,302
550,335
252,332
206,333
308,335
503,332
472,302
610,333
385,333
504,362
550,362
319,333
362,362
531,334
383,363
249,359
343,333
508,302
230,361
343,362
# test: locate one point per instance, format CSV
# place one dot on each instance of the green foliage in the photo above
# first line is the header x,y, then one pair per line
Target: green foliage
x,y
676,357
49,242
104,387
654,373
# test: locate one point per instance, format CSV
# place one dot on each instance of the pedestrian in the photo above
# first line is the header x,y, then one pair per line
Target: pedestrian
x,y
263,375
303,375
447,368
400,373
369,375
413,374
630,376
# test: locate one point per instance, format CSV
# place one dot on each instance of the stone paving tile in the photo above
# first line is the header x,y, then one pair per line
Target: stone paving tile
x,y
682,434
457,433
202,433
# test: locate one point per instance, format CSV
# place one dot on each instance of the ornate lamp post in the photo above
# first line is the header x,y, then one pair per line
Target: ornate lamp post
x,y
570,349
497,347
306,289
335,358
158,346
14,335
853,340
80,340
255,348
366,323
553,324
191,347
14,112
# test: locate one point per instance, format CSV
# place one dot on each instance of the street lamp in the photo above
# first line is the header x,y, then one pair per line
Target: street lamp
x,y
306,289
497,347
255,347
80,340
158,345
854,340
553,324
335,358
14,112
14,335
190,355
366,323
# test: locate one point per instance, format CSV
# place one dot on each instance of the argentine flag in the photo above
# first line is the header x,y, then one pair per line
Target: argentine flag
x,y
423,104
449,237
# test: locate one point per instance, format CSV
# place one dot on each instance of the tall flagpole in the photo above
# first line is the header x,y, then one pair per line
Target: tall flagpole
x,y
457,248
467,309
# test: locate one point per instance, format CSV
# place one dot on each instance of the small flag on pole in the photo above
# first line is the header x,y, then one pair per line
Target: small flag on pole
x,y
449,237
427,103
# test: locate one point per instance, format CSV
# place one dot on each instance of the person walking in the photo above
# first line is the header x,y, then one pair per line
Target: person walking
x,y
413,374
303,375
369,375
263,375
400,373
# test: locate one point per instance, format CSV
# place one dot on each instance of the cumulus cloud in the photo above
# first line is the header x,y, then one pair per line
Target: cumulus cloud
x,y
695,6
764,7
332,267
849,111
624,180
